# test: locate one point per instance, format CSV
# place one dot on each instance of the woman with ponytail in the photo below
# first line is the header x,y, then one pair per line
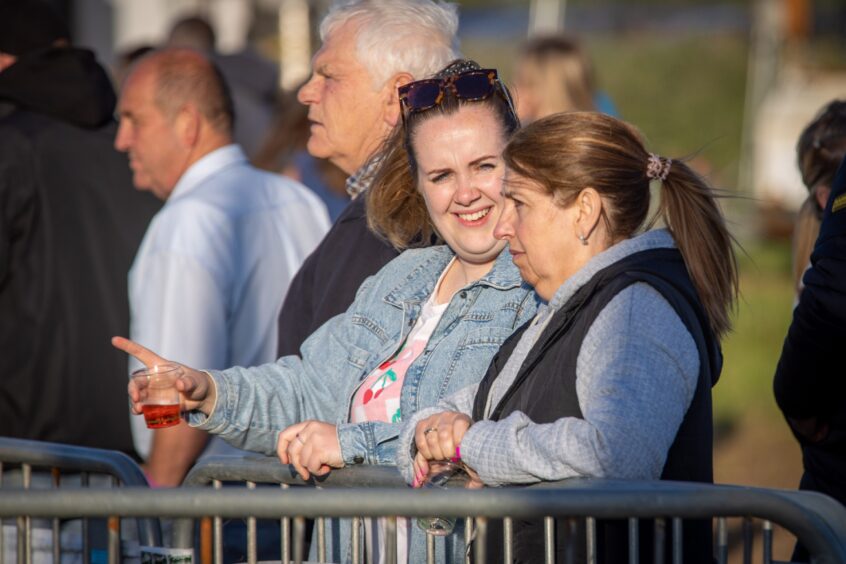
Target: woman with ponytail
x,y
613,377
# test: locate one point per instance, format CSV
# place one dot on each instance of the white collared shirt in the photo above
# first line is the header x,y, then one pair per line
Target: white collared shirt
x,y
214,266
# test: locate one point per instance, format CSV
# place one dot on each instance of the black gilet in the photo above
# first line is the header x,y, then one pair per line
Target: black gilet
x,y
545,390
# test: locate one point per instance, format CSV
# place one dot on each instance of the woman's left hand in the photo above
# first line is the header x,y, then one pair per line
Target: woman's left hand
x,y
438,436
312,447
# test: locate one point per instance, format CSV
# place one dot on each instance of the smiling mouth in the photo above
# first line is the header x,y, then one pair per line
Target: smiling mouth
x,y
475,216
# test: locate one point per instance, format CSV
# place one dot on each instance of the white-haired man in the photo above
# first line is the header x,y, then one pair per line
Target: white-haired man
x,y
370,48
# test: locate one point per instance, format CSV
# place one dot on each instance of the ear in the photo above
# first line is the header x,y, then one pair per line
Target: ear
x,y
391,98
187,124
589,205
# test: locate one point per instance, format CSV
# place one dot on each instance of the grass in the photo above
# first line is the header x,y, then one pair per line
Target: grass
x,y
752,350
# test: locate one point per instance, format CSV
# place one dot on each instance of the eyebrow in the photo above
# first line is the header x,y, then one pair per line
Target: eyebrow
x,y
474,162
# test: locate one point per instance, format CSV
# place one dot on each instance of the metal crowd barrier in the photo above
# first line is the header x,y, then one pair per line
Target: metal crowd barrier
x,y
61,460
818,521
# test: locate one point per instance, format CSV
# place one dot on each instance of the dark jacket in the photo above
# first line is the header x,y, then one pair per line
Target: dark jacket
x,y
810,380
545,390
70,223
329,278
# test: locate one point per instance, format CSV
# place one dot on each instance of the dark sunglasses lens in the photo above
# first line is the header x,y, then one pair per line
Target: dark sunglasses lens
x,y
423,95
473,86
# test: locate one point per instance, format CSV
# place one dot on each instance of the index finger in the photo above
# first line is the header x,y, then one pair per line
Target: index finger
x,y
146,356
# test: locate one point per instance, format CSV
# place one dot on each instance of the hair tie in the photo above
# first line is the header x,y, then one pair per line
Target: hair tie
x,y
657,168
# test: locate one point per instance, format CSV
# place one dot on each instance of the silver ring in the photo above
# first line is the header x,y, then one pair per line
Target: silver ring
x,y
429,430
299,438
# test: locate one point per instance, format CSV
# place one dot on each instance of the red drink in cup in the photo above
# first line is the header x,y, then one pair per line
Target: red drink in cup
x,y
158,394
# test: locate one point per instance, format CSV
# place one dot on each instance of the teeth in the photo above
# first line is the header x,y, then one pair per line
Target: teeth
x,y
474,216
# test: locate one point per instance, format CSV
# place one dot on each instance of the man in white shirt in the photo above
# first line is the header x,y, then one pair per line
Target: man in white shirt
x,y
209,278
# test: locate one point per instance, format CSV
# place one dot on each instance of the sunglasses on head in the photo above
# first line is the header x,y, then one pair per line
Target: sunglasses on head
x,y
470,86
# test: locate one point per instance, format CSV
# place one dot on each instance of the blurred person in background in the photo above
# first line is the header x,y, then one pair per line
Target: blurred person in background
x,y
370,48
70,223
210,275
284,151
554,74
809,385
613,376
253,80
821,147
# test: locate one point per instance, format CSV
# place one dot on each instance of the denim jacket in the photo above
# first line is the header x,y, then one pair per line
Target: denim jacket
x,y
255,404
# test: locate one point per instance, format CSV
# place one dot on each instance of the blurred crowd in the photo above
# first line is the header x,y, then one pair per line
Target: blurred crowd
x,y
404,261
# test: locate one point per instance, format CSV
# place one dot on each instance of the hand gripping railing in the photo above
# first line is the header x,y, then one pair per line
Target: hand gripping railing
x,y
61,458
818,521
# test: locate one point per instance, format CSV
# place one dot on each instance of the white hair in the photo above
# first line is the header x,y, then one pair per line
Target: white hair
x,y
414,36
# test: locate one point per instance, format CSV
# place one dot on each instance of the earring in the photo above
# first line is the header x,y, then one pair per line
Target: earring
x,y
583,239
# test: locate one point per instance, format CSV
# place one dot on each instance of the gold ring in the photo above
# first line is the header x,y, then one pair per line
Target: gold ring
x,y
429,430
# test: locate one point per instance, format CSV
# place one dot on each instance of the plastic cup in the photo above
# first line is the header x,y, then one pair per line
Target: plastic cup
x,y
443,474
159,397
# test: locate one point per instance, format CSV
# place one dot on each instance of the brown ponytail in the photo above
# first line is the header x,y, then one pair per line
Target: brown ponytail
x,y
568,152
690,210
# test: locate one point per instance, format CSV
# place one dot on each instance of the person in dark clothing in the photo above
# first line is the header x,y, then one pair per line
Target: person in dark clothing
x,y
353,107
809,386
70,223
613,376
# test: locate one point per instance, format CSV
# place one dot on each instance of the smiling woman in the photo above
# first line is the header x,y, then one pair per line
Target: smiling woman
x,y
397,348
612,378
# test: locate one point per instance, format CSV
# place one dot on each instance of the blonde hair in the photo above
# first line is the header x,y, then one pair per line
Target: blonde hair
x,y
568,152
559,73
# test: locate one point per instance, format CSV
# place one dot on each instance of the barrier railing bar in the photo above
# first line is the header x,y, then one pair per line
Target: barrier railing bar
x,y
549,540
86,543
590,540
634,542
747,540
508,539
27,544
252,557
481,542
356,540
320,525
722,541
218,529
391,536
299,539
56,478
768,542
660,540
430,548
468,537
284,535
678,541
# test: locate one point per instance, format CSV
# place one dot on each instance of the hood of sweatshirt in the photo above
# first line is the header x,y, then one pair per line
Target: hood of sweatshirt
x,y
66,83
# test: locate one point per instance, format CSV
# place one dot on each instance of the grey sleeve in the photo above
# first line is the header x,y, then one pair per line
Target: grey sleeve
x,y
461,401
636,375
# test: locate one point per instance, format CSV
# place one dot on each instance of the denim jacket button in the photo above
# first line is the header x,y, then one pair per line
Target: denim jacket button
x,y
463,295
358,459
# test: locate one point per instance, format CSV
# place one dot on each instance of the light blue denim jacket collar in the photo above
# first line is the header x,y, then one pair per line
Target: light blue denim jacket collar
x,y
416,286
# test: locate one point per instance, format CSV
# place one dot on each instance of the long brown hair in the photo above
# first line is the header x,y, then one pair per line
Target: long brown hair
x,y
395,208
819,151
568,152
